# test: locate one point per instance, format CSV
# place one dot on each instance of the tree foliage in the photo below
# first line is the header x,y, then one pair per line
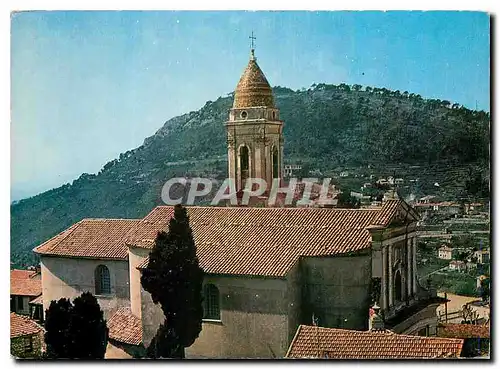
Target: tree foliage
x,y
485,289
174,280
76,331
345,200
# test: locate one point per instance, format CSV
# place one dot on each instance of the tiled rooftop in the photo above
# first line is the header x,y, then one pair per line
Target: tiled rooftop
x,y
234,240
22,273
91,238
22,326
125,327
331,343
22,283
37,301
464,330
263,241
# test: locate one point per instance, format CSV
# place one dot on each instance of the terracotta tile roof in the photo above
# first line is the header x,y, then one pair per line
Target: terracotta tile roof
x,y
390,209
464,330
21,284
22,273
125,327
37,301
23,326
143,264
319,342
262,241
233,240
91,238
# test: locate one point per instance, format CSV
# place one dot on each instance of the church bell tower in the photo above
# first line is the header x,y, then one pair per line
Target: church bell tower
x,y
254,129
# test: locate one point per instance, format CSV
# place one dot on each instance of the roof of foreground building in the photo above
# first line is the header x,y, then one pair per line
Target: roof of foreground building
x,y
125,327
331,343
23,326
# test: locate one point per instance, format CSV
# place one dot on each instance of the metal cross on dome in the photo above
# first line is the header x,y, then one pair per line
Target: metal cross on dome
x,y
252,38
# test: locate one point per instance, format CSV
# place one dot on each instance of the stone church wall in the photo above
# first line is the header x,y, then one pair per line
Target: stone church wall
x,y
69,277
337,291
253,324
135,256
294,299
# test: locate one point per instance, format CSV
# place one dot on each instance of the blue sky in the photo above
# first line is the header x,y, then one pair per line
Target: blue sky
x,y
87,86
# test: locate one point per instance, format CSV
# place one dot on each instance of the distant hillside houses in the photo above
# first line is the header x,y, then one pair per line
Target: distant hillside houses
x,y
445,252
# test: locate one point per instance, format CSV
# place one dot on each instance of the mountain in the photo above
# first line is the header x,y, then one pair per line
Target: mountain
x,y
326,126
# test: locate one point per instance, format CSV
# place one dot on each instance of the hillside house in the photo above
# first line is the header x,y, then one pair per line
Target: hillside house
x,y
471,266
457,266
445,252
426,199
290,170
482,256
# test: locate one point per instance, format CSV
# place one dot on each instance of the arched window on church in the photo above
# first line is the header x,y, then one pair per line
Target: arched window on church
x,y
398,286
275,163
211,308
244,164
102,280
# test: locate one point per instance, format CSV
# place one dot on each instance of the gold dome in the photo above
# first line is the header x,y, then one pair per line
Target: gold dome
x,y
253,88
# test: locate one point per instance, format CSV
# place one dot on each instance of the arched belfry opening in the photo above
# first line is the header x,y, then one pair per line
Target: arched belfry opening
x,y
398,286
275,162
244,164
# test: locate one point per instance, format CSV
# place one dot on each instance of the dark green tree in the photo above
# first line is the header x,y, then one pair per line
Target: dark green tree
x,y
174,280
345,200
75,331
165,341
57,320
88,332
485,289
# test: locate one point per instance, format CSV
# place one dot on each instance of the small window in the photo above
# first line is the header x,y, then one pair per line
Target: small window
x,y
398,286
274,115
244,114
102,281
211,309
28,344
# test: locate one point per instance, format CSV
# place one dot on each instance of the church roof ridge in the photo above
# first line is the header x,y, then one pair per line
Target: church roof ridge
x,y
254,241
98,238
110,219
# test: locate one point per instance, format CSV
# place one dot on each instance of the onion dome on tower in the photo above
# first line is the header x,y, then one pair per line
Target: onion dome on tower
x,y
253,89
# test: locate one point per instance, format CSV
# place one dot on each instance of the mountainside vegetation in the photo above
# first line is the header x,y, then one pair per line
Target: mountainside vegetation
x,y
326,127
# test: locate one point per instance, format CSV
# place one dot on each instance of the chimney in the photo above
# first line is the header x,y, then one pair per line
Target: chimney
x,y
376,322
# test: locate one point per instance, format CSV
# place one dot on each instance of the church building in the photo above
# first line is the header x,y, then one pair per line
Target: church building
x,y
268,270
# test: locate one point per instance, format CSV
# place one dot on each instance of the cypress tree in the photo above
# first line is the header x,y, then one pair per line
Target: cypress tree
x,y
174,280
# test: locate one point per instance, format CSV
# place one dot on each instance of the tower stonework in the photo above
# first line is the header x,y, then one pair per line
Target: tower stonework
x,y
254,130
